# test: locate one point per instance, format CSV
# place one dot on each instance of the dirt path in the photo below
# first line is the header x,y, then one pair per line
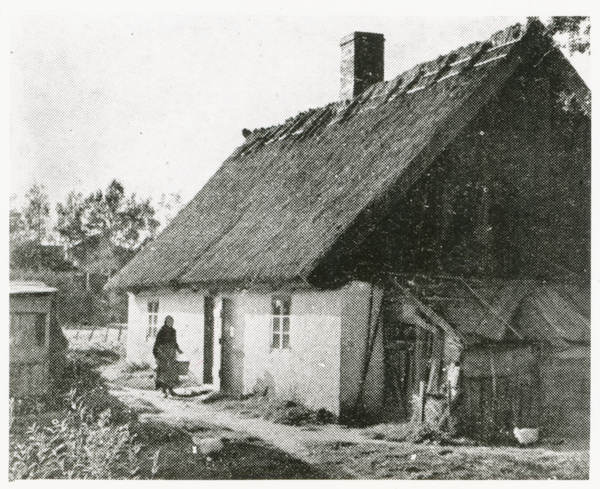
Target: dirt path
x,y
191,413
342,453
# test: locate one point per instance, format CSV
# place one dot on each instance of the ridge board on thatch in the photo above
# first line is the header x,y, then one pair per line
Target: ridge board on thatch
x,y
272,211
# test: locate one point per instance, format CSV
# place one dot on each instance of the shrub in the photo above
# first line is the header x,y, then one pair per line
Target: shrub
x,y
77,447
75,303
77,374
74,377
98,403
82,452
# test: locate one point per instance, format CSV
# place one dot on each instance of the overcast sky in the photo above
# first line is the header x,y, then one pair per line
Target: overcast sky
x,y
159,102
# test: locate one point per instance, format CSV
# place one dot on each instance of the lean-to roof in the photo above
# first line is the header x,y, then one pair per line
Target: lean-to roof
x,y
557,313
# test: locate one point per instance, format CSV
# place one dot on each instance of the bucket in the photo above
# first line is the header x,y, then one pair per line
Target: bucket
x,y
183,367
526,436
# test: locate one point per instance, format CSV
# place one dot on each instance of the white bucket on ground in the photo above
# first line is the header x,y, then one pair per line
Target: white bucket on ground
x,y
526,436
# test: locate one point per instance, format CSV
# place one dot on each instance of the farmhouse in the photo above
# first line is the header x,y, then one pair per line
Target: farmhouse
x,y
418,248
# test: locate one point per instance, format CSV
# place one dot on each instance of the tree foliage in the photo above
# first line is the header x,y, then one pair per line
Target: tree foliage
x,y
575,29
29,228
37,212
16,225
168,206
126,220
32,221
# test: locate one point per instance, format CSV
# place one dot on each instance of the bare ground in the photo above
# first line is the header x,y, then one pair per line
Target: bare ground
x,y
258,448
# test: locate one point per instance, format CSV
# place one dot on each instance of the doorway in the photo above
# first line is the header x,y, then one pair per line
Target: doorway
x,y
231,372
399,374
209,335
410,359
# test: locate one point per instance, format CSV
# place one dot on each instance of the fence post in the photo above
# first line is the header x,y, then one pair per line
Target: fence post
x,y
422,401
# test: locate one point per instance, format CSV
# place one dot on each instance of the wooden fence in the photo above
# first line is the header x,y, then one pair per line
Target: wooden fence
x,y
114,334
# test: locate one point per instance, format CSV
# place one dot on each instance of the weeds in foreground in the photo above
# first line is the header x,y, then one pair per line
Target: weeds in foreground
x,y
80,446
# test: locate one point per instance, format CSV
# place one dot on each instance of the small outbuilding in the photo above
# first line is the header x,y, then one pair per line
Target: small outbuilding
x,y
36,340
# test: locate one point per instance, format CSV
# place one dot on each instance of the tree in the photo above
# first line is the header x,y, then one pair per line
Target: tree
x,y
36,213
575,29
16,221
70,218
28,228
168,206
125,221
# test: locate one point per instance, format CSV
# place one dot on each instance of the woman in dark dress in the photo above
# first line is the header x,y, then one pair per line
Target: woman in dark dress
x,y
165,351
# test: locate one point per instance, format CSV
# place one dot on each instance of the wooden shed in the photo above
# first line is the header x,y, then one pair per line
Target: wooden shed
x,y
36,340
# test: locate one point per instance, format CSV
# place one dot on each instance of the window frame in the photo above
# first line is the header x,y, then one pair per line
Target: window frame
x,y
152,324
280,322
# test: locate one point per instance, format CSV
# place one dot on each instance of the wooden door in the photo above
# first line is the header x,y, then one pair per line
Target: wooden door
x,y
398,381
231,351
209,336
29,357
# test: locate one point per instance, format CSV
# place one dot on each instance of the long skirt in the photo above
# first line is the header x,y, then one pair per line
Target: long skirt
x,y
166,367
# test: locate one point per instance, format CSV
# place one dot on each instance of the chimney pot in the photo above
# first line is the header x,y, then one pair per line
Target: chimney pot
x,y
362,63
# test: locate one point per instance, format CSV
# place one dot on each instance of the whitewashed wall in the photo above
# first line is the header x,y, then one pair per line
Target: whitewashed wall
x,y
187,309
308,371
356,301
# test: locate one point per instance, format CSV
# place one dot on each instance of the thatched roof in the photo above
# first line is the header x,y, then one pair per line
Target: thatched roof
x,y
286,196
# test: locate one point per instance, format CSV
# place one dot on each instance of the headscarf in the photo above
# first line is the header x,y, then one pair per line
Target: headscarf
x,y
166,335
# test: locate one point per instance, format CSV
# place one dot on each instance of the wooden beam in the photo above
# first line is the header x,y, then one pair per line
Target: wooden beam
x,y
430,313
492,310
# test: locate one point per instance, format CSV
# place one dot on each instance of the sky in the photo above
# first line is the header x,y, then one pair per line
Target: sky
x,y
159,101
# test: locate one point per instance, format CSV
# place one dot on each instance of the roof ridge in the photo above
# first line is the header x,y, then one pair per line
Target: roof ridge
x,y
499,39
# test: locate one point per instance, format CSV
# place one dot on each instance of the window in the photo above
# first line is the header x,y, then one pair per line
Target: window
x,y
152,319
280,322
27,329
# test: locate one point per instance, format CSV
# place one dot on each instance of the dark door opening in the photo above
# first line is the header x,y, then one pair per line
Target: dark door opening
x,y
232,345
399,341
409,356
209,336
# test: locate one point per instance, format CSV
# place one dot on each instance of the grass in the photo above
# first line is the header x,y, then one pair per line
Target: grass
x,y
94,357
415,433
167,453
433,462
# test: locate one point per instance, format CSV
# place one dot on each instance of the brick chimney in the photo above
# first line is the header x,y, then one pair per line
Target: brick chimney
x,y
362,63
